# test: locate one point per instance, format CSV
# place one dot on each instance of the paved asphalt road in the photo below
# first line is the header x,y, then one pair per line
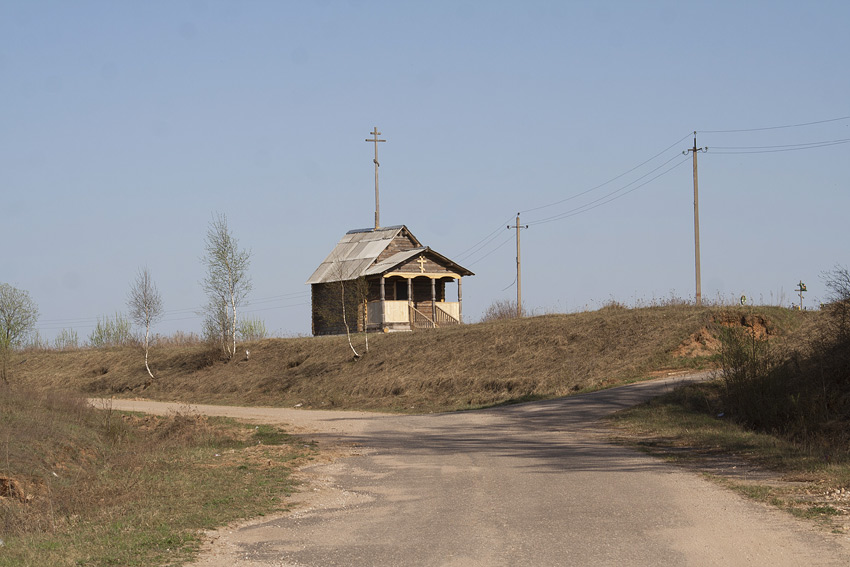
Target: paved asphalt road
x,y
534,484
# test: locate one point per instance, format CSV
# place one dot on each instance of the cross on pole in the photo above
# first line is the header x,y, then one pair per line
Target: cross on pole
x,y
375,139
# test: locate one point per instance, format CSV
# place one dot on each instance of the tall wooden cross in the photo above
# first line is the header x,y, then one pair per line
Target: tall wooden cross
x,y
375,139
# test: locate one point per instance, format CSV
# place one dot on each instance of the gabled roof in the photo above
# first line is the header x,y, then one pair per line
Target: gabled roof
x,y
357,252
388,264
401,257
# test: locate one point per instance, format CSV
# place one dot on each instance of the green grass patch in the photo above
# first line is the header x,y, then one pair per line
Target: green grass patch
x,y
117,489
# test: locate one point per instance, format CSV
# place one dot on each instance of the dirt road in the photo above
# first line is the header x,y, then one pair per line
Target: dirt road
x,y
533,484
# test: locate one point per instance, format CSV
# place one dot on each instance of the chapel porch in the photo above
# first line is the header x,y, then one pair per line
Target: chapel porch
x,y
405,302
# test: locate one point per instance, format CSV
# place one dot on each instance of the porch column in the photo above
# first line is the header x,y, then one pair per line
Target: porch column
x,y
459,301
383,303
410,314
434,301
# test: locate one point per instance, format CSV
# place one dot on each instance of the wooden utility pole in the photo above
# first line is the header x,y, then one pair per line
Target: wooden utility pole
x,y
375,139
696,150
518,268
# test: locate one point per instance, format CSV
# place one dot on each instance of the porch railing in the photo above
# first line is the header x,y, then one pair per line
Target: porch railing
x,y
419,320
399,314
444,318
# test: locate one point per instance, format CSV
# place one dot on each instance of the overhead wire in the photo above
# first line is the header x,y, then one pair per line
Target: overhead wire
x,y
172,315
482,246
510,286
778,148
638,166
509,238
616,194
481,243
840,118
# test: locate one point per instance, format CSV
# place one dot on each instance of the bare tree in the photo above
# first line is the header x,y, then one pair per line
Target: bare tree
x,y
18,315
145,305
837,283
361,295
226,283
352,295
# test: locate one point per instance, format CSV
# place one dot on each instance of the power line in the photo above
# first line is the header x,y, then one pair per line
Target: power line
x,y
510,286
775,127
277,307
483,244
489,238
781,148
604,199
505,241
677,142
169,316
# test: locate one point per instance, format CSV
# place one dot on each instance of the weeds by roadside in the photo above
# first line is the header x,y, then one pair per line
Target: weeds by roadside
x,y
87,486
783,414
689,428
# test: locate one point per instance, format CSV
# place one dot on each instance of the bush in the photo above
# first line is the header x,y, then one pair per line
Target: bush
x,y
112,332
67,339
805,395
757,387
36,342
251,329
500,309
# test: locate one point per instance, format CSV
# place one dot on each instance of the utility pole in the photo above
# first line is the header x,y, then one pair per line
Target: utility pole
x,y
696,150
518,269
375,139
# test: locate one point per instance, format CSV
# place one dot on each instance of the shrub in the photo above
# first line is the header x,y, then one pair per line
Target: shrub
x,y
36,342
112,332
805,395
252,329
757,387
67,339
500,309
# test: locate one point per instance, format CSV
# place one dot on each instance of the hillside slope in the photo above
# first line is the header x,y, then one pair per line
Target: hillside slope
x,y
440,369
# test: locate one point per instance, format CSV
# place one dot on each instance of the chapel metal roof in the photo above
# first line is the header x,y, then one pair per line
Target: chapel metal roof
x,y
357,252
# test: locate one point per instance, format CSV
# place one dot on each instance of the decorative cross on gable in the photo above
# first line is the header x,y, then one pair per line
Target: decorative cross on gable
x,y
421,261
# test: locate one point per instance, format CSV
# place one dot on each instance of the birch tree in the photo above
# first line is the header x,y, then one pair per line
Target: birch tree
x,y
349,302
18,315
227,284
145,305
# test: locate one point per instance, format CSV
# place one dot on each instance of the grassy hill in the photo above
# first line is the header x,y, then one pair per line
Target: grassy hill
x,y
81,485
442,369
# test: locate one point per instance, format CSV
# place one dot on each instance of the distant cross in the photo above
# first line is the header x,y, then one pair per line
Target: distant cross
x,y
421,261
375,139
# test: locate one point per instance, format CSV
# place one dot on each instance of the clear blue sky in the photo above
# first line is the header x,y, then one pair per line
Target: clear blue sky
x,y
124,126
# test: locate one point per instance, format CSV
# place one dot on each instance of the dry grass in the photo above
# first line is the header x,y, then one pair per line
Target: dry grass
x,y
443,369
92,487
87,486
775,424
689,427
